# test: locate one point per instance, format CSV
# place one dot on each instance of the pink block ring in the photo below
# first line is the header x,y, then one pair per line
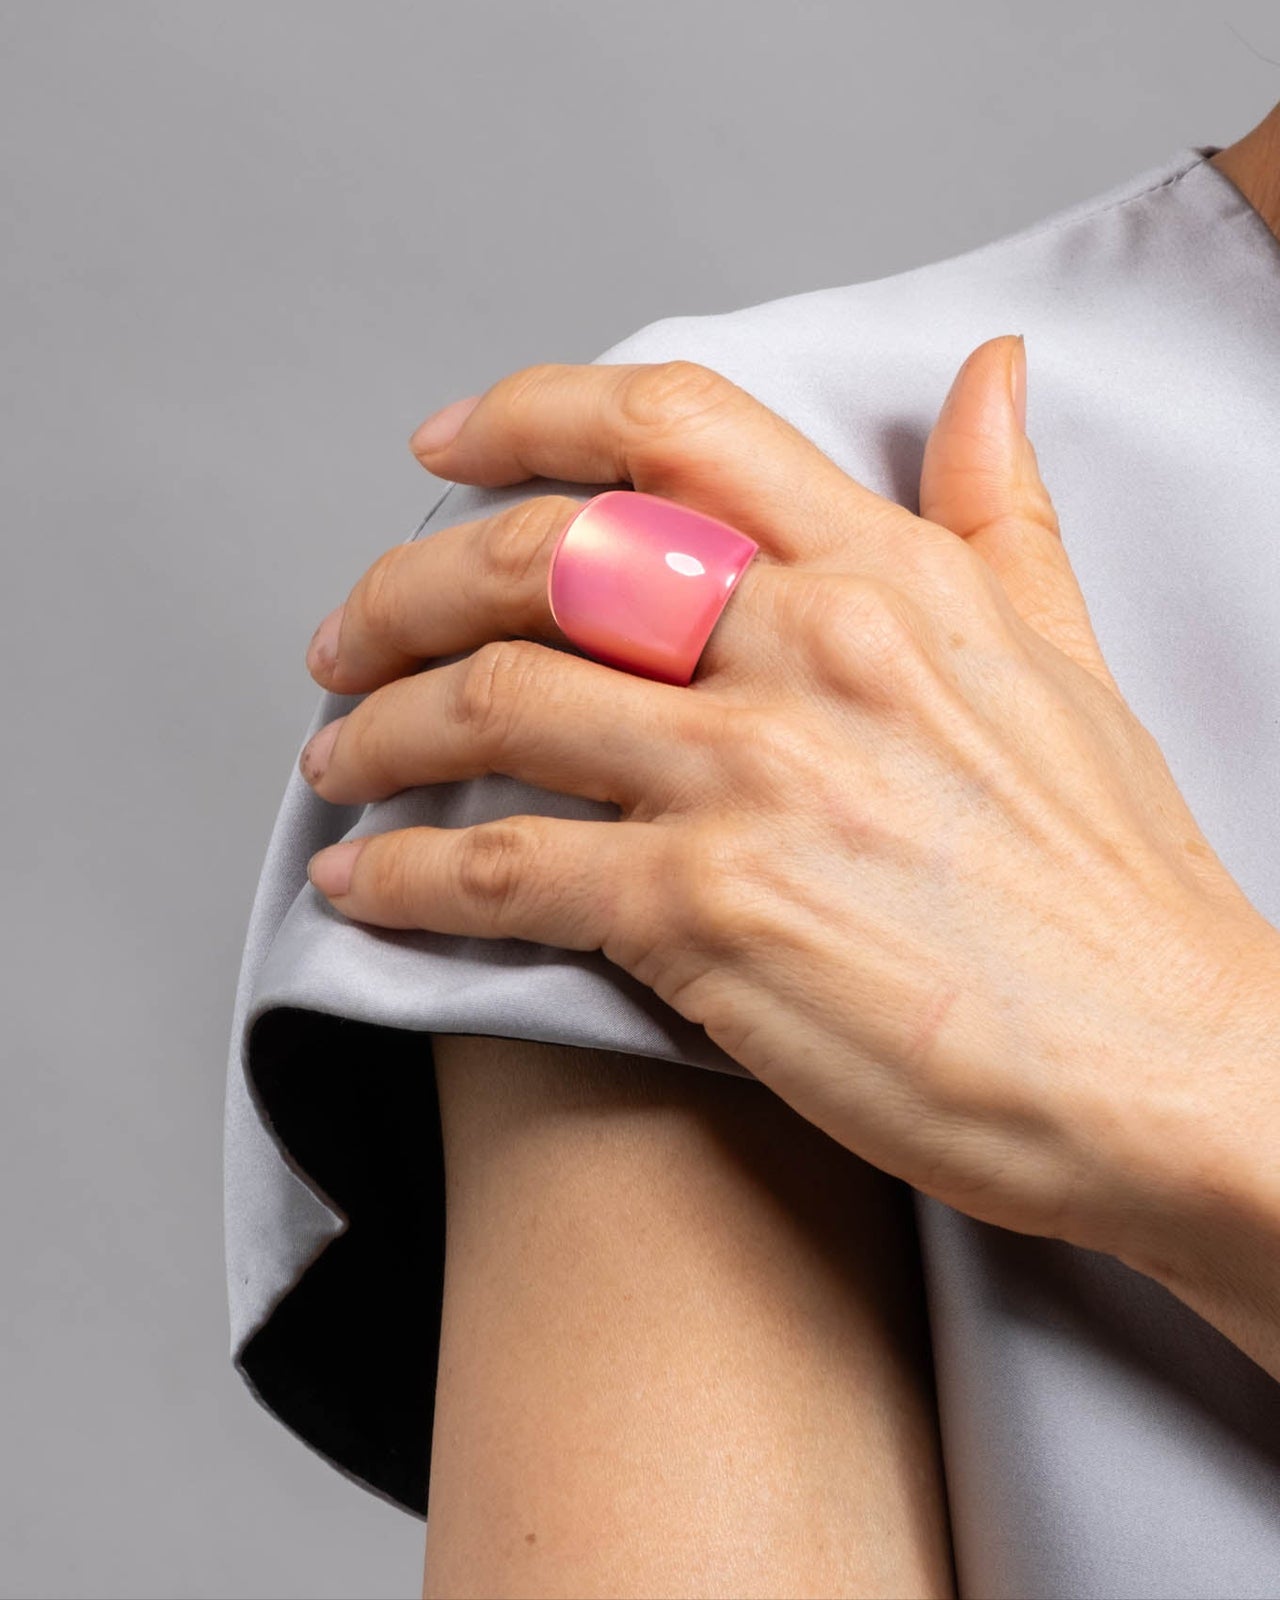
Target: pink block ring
x,y
639,582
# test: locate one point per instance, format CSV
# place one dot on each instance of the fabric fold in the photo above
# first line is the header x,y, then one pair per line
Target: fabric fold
x,y
1099,1439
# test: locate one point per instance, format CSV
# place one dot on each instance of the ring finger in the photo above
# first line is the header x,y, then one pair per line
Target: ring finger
x,y
561,722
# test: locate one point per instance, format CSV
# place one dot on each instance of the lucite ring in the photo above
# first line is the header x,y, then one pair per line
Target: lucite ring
x,y
638,582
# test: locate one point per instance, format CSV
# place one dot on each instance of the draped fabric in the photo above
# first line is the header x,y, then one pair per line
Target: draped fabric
x,y
1099,1438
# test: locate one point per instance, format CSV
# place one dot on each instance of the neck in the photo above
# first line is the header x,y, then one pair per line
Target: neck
x,y
1253,165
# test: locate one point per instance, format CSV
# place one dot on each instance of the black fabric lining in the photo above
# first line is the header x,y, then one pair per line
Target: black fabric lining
x,y
347,1359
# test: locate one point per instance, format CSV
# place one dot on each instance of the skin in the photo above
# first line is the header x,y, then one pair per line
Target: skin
x,y
1253,165
901,848
682,1348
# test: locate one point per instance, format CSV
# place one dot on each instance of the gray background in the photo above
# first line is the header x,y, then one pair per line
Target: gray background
x,y
225,307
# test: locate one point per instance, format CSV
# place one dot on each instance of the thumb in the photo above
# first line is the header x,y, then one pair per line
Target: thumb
x,y
980,479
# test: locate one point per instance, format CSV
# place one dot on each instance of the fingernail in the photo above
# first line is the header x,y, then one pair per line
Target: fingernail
x,y
442,427
330,869
1018,382
316,753
322,652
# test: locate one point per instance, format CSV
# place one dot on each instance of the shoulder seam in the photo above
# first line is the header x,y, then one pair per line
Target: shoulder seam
x,y
1115,205
1053,225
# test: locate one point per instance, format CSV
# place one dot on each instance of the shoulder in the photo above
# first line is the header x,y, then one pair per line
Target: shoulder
x,y
862,368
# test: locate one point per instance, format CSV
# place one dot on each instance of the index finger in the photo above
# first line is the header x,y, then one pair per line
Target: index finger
x,y
680,430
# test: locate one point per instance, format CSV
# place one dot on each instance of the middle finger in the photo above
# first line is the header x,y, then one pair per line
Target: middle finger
x,y
471,583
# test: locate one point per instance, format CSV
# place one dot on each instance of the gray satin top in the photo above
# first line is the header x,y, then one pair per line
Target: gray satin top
x,y
1099,1438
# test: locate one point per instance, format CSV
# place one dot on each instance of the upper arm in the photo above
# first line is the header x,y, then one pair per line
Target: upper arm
x,y
682,1346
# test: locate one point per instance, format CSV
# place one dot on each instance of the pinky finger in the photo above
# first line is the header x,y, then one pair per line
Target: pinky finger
x,y
555,881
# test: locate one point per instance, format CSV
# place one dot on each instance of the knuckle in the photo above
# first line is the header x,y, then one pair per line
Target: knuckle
x,y
518,542
382,601
669,393
492,862
881,639
372,736
395,875
354,750
523,391
491,686
862,633
872,614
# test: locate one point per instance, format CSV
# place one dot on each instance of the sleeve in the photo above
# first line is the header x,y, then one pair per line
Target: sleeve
x,y
333,1169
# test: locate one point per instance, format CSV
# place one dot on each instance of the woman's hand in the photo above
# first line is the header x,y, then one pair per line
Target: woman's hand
x,y
901,848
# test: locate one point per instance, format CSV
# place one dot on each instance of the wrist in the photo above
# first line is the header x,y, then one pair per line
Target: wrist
x,y
1220,1255
1201,1204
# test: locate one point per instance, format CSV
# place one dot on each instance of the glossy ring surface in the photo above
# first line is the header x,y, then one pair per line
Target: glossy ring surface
x,y
639,582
